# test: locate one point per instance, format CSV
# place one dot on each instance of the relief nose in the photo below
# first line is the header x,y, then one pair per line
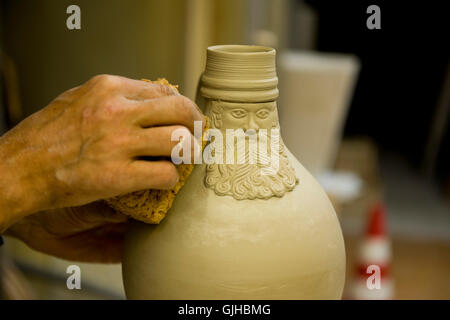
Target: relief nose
x,y
252,125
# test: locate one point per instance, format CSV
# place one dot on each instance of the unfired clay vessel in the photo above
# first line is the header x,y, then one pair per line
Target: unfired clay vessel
x,y
234,232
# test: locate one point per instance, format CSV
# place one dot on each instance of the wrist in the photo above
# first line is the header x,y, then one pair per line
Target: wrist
x,y
19,194
14,204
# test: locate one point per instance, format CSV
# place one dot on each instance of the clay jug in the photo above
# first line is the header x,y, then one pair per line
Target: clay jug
x,y
234,231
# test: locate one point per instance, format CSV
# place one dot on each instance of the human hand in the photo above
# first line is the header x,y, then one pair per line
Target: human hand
x,y
89,233
88,145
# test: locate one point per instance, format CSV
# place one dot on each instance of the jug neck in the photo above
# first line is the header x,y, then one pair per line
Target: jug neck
x,y
238,73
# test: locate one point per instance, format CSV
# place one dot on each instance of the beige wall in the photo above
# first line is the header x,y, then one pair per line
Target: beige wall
x,y
136,39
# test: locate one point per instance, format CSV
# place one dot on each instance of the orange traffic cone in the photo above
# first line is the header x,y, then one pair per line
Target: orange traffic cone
x,y
373,280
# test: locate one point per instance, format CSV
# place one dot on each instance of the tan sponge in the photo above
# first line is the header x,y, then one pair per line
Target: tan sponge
x,y
151,206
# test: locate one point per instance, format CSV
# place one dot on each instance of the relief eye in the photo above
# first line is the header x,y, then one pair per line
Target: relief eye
x,y
262,114
238,113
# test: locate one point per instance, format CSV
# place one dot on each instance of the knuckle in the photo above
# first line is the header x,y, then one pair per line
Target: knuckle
x,y
169,176
186,109
164,90
98,78
106,81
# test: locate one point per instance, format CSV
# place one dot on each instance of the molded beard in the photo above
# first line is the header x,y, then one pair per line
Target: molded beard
x,y
252,181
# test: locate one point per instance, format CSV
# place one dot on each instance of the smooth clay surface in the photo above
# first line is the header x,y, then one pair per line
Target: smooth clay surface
x,y
283,242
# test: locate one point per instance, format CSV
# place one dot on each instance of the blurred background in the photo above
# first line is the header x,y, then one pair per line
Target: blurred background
x,y
365,110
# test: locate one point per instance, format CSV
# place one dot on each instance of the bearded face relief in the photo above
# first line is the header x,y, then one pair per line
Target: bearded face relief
x,y
256,166
247,116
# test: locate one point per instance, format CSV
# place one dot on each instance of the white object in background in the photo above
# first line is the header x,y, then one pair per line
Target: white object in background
x,y
343,185
315,92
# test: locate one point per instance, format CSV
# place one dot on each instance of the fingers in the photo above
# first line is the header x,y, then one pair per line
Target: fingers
x,y
142,175
150,105
143,90
93,215
167,141
130,88
87,242
101,245
169,110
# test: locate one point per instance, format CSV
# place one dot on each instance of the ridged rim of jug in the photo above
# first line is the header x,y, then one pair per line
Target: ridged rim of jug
x,y
240,73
